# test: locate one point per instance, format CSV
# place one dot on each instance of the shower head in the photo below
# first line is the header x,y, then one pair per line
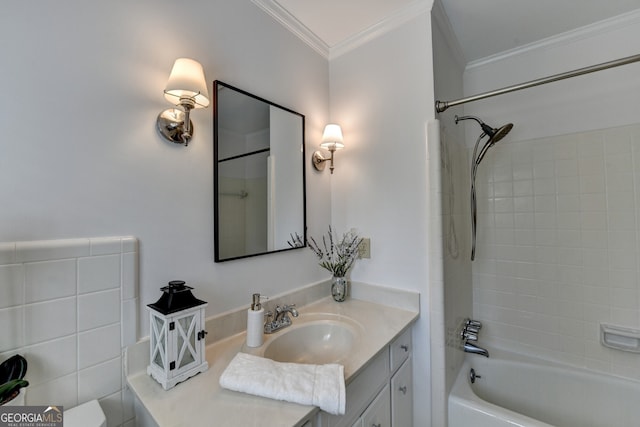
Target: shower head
x,y
495,134
500,133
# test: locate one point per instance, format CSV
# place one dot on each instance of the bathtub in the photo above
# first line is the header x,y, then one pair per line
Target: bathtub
x,y
518,391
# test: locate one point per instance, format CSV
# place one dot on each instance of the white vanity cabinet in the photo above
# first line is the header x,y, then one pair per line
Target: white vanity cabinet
x,y
382,394
377,366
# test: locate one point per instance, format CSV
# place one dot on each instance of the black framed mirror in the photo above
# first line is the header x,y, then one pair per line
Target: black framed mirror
x,y
259,175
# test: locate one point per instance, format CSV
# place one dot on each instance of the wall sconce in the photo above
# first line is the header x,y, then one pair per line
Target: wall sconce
x,y
186,88
331,140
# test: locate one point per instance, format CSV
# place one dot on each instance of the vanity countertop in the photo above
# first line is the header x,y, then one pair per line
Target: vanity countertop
x,y
200,401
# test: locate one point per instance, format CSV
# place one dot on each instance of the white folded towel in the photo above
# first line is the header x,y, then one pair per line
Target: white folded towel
x,y
318,385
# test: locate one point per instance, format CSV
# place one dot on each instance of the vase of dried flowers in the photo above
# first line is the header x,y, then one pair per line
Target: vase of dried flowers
x,y
337,255
339,288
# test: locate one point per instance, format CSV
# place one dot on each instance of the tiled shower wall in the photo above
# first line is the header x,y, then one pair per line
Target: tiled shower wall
x,y
70,307
558,246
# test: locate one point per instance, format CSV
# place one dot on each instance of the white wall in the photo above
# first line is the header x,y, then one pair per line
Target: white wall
x,y
559,242
382,95
82,85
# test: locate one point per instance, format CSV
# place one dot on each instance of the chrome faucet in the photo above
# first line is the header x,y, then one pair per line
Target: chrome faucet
x,y
472,348
281,318
283,312
470,333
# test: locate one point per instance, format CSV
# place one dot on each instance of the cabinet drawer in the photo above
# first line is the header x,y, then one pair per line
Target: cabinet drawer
x,y
402,395
378,414
400,348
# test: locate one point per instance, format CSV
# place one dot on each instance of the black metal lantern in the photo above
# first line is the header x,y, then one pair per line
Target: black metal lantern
x,y
177,335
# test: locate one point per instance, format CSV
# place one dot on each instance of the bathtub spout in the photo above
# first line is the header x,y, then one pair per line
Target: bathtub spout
x,y
472,348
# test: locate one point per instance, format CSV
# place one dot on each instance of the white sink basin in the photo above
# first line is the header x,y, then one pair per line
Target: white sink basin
x,y
316,341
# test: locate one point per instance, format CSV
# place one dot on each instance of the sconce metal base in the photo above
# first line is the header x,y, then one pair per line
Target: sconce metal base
x,y
318,161
171,125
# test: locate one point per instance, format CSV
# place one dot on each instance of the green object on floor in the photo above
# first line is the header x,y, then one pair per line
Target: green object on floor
x,y
11,389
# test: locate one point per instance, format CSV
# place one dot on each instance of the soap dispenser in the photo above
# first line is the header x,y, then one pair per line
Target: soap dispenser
x,y
255,323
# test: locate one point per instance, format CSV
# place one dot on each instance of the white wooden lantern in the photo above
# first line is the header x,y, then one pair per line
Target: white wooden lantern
x,y
177,335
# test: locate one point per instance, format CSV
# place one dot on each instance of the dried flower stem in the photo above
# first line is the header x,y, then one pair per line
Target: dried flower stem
x,y
338,257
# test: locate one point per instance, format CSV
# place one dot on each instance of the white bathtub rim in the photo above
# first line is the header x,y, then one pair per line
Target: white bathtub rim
x,y
465,399
463,396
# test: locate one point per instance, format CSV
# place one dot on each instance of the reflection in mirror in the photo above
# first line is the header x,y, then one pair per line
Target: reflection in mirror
x,y
259,199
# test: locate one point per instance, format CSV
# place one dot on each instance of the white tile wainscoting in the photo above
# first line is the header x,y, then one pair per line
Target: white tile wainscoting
x,y
70,308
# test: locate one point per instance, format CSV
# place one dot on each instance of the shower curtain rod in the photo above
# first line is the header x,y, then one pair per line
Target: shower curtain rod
x,y
442,106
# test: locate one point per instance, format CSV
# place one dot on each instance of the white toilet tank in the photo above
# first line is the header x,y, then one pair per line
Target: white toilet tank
x,y
88,414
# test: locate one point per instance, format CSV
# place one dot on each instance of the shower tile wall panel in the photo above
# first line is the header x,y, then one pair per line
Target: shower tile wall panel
x,y
70,307
558,246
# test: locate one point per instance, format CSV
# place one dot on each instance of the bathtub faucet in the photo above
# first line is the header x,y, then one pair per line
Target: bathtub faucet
x,y
472,348
470,332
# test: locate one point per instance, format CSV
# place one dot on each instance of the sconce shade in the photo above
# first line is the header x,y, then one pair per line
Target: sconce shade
x,y
332,137
187,81
331,140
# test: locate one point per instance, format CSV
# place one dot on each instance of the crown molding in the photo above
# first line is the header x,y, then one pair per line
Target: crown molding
x,y
280,14
393,21
290,22
604,26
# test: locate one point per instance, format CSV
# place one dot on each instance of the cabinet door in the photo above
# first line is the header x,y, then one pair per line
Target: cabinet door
x,y
402,396
378,414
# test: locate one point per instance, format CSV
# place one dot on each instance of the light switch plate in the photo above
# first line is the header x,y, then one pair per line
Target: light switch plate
x,y
365,248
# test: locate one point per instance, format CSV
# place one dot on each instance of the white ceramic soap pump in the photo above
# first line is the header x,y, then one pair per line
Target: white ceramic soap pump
x,y
255,323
